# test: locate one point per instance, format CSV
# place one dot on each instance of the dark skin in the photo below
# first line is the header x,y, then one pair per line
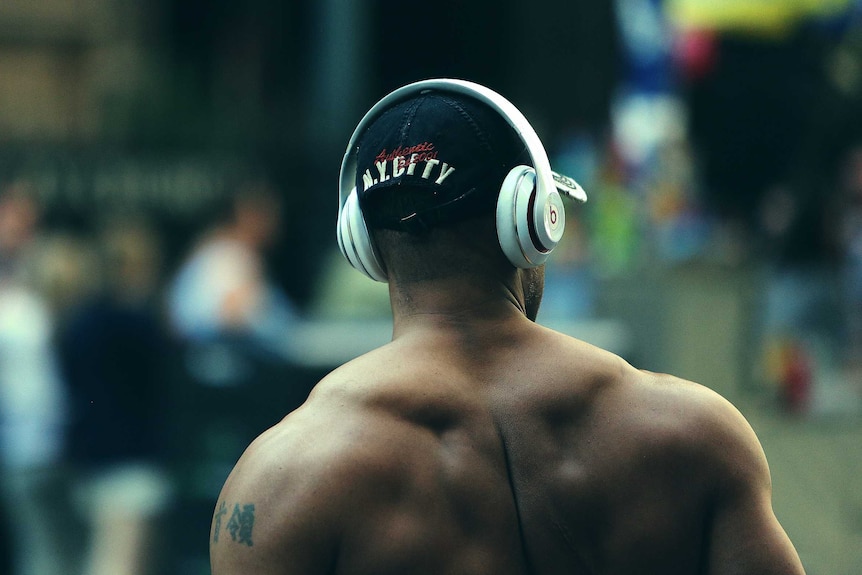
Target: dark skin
x,y
478,442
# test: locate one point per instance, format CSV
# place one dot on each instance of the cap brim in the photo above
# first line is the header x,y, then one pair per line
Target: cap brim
x,y
569,187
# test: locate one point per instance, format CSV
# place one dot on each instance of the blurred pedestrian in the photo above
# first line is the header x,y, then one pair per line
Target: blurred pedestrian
x,y
222,294
33,405
113,349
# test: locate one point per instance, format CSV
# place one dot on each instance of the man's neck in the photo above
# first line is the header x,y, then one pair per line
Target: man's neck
x,y
454,304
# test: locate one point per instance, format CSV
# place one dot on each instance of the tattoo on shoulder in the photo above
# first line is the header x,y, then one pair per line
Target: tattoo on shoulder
x,y
240,522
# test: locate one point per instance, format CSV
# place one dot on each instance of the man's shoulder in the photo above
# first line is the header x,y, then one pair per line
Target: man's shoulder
x,y
692,405
333,433
688,419
319,464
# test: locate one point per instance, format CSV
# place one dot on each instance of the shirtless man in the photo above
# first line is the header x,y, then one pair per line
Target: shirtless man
x,y
478,442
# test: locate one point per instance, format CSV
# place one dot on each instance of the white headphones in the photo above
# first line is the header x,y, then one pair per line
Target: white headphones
x,y
530,213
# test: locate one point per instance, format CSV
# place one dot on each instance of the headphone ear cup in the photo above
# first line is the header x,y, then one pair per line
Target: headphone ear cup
x,y
529,224
354,240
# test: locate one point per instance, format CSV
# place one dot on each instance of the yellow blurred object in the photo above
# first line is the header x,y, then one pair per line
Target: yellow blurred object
x,y
770,18
776,356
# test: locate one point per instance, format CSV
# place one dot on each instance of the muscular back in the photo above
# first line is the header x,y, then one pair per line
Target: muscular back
x,y
539,455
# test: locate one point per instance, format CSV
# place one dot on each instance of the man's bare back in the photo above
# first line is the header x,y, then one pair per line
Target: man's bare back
x,y
545,455
478,442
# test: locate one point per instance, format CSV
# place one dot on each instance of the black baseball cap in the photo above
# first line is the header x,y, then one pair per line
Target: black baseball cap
x,y
433,159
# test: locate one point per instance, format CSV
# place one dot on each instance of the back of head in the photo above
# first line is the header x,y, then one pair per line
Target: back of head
x,y
429,171
433,160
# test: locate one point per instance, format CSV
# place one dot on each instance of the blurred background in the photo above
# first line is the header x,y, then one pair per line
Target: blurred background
x,y
170,285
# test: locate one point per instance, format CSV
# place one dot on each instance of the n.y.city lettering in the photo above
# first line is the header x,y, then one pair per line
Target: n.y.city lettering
x,y
418,160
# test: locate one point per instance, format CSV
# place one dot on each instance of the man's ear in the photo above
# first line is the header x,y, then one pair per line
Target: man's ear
x,y
532,281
